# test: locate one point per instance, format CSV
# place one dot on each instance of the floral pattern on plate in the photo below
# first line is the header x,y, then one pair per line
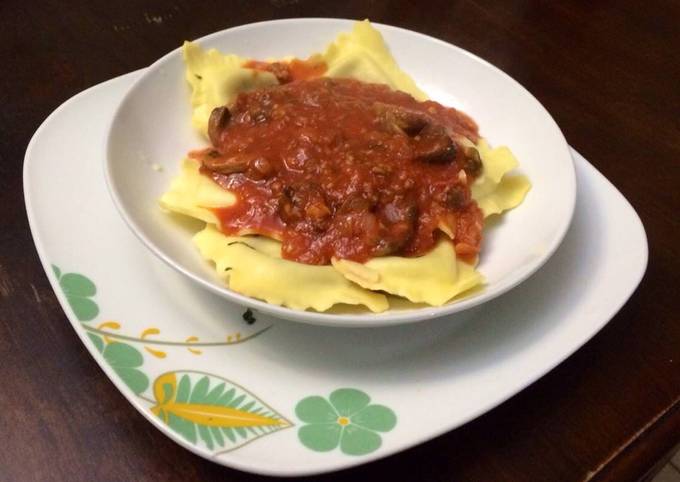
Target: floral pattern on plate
x,y
204,409
346,419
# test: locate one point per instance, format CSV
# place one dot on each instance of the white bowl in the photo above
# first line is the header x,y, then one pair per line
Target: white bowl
x,y
152,128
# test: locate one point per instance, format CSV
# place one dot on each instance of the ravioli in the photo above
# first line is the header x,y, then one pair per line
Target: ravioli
x,y
495,191
193,194
362,54
433,279
216,79
252,265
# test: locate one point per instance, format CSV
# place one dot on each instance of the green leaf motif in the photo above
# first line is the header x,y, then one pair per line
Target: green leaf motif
x,y
346,420
135,379
78,290
75,284
167,392
84,308
123,358
183,427
237,401
97,341
125,361
204,409
122,355
183,390
200,391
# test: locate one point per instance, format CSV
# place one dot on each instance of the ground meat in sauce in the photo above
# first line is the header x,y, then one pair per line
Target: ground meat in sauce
x,y
341,168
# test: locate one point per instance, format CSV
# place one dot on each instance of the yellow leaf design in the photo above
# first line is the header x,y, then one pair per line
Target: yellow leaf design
x,y
209,409
193,339
156,353
163,386
114,325
150,331
214,416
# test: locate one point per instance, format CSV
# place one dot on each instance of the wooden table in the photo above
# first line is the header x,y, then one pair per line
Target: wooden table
x,y
609,74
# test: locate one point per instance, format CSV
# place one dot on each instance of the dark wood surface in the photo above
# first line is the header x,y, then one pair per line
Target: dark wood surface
x,y
608,71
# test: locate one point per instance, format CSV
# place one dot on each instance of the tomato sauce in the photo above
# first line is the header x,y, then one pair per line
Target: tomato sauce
x,y
341,168
286,72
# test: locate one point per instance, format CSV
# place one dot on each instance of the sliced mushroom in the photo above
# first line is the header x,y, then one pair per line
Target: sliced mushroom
x,y
433,144
473,161
398,119
260,168
225,165
398,219
219,118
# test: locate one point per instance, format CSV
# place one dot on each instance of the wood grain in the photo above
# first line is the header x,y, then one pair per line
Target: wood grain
x,y
607,71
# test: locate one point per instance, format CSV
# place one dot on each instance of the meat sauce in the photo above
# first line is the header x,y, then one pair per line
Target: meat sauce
x,y
341,168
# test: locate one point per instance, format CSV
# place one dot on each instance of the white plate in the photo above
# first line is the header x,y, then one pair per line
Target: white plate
x,y
434,376
152,126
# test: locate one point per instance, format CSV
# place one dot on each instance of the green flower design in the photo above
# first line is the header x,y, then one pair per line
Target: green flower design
x,y
78,290
346,419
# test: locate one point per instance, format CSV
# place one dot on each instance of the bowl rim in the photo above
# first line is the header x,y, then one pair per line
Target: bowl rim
x,y
367,320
